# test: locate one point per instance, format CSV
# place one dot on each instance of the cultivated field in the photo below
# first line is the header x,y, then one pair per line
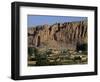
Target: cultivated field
x,y
48,56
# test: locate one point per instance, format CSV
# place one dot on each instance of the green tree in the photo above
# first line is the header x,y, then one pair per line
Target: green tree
x,y
30,51
41,59
82,47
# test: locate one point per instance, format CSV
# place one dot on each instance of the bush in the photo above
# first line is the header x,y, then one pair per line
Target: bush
x,y
41,59
49,51
30,51
82,47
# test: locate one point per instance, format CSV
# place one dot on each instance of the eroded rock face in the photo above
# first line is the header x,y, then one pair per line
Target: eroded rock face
x,y
65,35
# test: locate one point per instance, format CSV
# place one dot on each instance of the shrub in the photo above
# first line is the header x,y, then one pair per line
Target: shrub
x,y
41,59
30,51
82,47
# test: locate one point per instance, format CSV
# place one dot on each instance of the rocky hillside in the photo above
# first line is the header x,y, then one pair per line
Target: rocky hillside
x,y
58,35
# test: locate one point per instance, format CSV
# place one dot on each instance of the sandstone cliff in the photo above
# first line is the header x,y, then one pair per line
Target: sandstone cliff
x,y
58,35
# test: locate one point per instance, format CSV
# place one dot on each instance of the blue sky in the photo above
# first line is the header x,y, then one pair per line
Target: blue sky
x,y
34,20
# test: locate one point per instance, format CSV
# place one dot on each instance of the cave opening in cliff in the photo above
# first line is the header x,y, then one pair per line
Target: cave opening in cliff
x,y
38,41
